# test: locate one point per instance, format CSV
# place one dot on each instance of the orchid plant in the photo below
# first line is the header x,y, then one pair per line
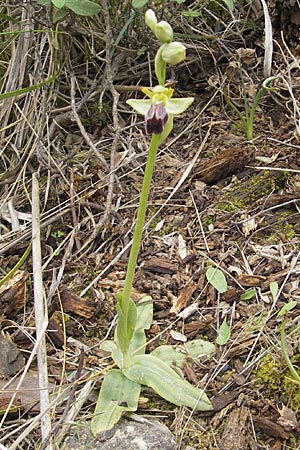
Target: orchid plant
x,y
121,386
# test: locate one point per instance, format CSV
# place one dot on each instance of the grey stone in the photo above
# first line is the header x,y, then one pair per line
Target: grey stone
x,y
127,435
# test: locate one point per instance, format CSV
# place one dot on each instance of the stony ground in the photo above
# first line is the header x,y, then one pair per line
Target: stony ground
x,y
217,199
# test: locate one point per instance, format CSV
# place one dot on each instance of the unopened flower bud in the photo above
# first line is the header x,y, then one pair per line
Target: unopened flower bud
x,y
156,118
164,32
151,20
173,53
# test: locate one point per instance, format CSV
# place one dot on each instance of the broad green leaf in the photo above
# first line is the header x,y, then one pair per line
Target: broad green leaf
x,y
156,374
59,14
144,313
274,289
199,347
224,333
217,279
169,355
175,357
247,295
83,7
139,3
108,346
117,395
287,307
59,3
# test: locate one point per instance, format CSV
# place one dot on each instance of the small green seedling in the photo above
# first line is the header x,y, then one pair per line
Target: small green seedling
x,y
283,313
247,118
274,288
248,295
121,386
224,333
218,280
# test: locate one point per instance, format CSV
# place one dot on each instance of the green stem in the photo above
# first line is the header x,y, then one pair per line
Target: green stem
x,y
250,119
16,267
292,369
138,231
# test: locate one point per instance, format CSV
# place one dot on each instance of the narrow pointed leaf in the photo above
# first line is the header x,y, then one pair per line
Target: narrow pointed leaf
x,y
156,374
247,295
287,307
126,323
137,344
118,394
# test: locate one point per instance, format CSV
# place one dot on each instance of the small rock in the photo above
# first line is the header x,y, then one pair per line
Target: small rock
x,y
128,435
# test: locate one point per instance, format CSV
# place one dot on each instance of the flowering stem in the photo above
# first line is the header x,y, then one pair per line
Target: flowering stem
x,y
138,231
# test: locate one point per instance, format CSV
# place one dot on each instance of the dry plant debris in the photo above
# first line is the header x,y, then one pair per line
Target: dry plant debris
x,y
216,200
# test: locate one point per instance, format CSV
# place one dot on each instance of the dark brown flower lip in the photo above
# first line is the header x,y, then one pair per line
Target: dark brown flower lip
x,y
156,118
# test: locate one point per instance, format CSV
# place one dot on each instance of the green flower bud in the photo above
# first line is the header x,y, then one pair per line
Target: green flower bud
x,y
173,53
151,20
164,32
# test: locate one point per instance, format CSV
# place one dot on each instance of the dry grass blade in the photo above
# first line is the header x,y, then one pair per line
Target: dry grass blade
x,y
268,41
41,312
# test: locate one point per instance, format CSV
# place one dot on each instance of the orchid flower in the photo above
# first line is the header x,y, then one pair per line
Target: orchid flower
x,y
159,108
121,387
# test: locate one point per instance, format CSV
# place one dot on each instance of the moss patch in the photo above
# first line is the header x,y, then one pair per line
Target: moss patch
x,y
251,190
276,378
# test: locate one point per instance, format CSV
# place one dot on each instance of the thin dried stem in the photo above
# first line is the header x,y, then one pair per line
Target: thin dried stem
x,y
41,313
